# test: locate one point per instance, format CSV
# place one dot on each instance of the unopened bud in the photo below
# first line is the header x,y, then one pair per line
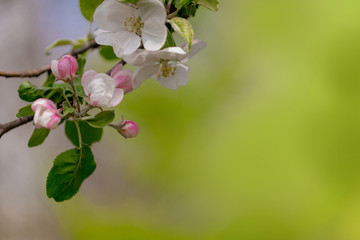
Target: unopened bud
x,y
128,129
46,114
122,78
65,68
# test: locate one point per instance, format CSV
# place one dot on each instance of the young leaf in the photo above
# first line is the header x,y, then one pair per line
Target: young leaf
x,y
88,7
25,111
61,42
102,119
210,4
77,81
89,134
170,42
38,137
67,108
183,28
70,169
29,92
50,80
107,53
129,1
180,3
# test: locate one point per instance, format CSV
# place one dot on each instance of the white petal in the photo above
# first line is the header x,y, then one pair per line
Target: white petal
x,y
86,79
141,57
196,47
111,15
153,15
143,73
179,79
117,97
123,42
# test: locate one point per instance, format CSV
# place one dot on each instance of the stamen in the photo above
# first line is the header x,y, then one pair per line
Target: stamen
x,y
166,70
134,25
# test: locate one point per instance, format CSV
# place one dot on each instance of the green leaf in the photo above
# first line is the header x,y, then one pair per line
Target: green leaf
x,y
29,92
38,137
67,108
61,42
77,81
129,1
180,3
170,42
50,80
88,7
25,111
102,119
107,53
70,169
89,134
210,4
183,28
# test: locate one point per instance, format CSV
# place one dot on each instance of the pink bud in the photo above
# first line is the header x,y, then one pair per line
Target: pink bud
x,y
128,129
65,68
46,114
123,78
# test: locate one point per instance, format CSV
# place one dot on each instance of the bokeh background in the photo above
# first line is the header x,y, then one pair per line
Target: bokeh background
x,y
263,142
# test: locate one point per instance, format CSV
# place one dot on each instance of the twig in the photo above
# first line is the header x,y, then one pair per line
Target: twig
x,y
168,7
38,71
4,128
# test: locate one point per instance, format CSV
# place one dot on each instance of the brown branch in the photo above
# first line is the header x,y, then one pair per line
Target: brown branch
x,y
121,62
4,128
38,71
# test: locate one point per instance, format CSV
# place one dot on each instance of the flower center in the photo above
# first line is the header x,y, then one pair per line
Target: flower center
x,y
134,25
166,70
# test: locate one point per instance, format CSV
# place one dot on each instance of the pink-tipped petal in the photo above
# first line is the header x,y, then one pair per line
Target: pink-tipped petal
x,y
117,97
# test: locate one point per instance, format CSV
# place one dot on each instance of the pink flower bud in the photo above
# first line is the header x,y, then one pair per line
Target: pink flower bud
x,y
46,114
65,68
128,129
123,78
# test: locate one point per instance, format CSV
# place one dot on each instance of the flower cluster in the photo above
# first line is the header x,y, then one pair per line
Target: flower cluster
x,y
140,32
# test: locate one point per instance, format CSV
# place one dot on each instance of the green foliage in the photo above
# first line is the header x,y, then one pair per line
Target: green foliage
x,y
67,108
38,137
77,81
210,4
107,53
88,7
102,119
25,111
49,81
170,42
89,134
30,92
70,169
60,42
129,1
180,3
183,27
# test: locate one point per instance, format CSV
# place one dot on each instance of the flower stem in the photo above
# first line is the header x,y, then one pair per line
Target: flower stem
x,y
71,82
79,133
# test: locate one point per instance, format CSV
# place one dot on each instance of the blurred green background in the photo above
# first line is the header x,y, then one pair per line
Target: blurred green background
x,y
261,144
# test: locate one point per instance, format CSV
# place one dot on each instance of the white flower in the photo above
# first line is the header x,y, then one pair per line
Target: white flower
x,y
100,88
166,66
46,114
124,26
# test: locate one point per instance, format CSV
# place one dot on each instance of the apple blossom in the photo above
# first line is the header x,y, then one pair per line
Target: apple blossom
x,y
122,77
125,26
65,68
100,88
167,65
128,129
46,114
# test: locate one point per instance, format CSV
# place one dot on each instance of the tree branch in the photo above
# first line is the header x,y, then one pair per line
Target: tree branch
x,y
38,71
4,128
